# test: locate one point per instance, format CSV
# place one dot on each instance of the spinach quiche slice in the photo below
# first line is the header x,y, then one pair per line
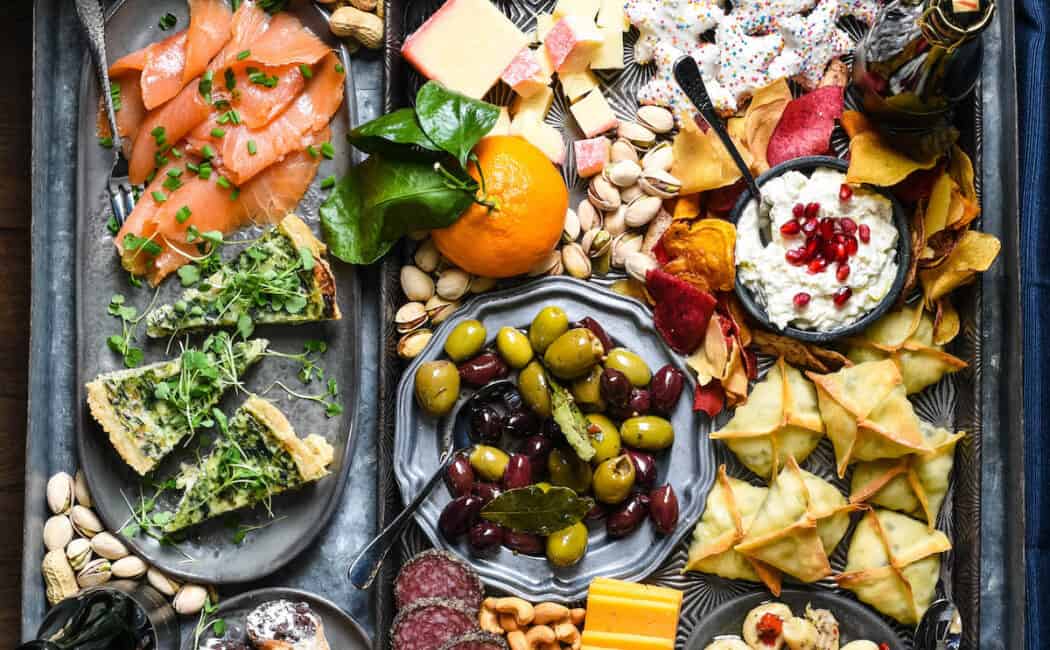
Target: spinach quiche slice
x,y
283,278
258,456
148,410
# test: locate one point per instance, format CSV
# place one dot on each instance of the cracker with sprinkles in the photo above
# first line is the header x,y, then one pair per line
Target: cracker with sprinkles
x,y
679,23
817,40
663,90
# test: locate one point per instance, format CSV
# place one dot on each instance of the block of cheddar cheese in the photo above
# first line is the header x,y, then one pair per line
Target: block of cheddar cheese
x,y
624,641
610,55
466,45
593,114
572,43
577,84
611,13
631,616
585,8
623,589
591,155
541,135
536,106
525,74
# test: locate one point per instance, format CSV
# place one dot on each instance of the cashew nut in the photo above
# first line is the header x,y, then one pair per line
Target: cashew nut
x,y
488,620
577,615
550,613
516,640
507,622
522,610
540,634
568,633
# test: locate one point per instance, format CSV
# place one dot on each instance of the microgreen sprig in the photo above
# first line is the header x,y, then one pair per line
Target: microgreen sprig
x,y
124,343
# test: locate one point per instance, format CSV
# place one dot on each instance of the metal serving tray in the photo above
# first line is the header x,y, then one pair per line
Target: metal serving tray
x,y
985,571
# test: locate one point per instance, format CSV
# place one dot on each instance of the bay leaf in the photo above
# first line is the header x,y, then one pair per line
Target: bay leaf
x,y
535,510
571,420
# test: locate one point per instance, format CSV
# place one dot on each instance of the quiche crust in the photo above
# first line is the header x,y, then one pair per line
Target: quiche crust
x,y
105,414
311,454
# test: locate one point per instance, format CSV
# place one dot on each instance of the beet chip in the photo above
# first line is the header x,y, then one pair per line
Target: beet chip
x,y
806,125
710,399
681,311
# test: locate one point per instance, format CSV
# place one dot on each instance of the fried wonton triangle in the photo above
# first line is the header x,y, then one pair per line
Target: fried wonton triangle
x,y
731,508
905,335
799,524
915,484
867,414
779,419
893,564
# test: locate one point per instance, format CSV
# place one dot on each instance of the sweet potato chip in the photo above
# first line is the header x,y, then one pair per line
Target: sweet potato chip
x,y
680,311
702,253
918,185
761,119
701,162
946,322
735,383
855,122
961,170
798,353
687,207
873,161
973,254
710,360
935,216
805,126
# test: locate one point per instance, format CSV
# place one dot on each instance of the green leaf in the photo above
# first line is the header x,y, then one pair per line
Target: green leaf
x,y
189,275
307,258
380,200
245,326
396,134
571,420
454,122
219,626
332,409
535,510
133,358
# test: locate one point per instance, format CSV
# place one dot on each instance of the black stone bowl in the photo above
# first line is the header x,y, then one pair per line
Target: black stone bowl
x,y
807,165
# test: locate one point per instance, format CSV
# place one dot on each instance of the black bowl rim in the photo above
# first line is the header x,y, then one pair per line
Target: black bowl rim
x,y
904,253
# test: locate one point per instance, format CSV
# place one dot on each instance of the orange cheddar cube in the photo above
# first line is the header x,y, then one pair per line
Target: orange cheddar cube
x,y
623,641
572,43
525,74
591,155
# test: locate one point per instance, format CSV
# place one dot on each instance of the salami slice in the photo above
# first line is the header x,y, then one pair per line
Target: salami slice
x,y
477,641
437,574
428,623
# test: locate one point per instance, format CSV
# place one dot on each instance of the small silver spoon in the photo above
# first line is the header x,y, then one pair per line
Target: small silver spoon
x,y
940,628
687,74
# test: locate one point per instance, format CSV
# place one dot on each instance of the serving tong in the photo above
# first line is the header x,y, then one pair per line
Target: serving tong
x,y
121,196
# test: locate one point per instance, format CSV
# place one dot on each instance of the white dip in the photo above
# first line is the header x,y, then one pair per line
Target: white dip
x,y
774,282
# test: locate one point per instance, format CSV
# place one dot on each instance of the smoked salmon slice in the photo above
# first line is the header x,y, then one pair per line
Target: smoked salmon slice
x,y
287,41
162,73
166,126
210,22
136,61
128,110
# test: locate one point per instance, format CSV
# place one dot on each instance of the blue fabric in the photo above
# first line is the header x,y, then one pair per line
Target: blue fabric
x,y
1033,76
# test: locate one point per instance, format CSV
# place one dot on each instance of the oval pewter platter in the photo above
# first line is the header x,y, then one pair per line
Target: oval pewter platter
x,y
342,632
209,552
689,466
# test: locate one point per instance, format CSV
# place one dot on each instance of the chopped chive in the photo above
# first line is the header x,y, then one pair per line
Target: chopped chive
x,y
175,172
217,133
306,71
151,176
204,172
106,142
176,153
171,184
159,197
112,226
158,131
252,150
223,183
328,183
235,117
114,95
231,79
207,152
312,150
327,150
167,21
339,68
183,214
235,194
160,159
204,87
243,54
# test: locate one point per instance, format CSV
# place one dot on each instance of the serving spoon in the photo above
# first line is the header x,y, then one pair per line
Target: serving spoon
x,y
365,567
940,627
687,74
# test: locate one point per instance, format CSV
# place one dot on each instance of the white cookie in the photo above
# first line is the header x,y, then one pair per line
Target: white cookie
x,y
680,23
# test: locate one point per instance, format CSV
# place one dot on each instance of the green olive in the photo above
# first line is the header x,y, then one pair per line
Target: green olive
x,y
630,364
587,391
514,347
567,546
605,437
544,485
535,389
548,325
465,340
574,353
437,386
647,432
613,479
489,462
567,470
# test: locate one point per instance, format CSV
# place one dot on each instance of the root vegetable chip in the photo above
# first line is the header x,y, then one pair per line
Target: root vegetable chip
x,y
710,399
701,162
680,312
945,323
918,185
702,253
873,161
687,207
973,254
722,200
854,122
805,126
799,353
761,119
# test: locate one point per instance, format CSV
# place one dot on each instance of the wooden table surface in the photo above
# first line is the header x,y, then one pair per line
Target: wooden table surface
x,y
16,50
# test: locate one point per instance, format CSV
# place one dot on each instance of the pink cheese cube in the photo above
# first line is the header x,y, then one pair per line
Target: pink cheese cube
x,y
572,43
591,155
526,74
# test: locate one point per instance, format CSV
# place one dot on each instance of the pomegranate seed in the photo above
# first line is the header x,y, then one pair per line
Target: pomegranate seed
x,y
790,228
842,272
865,233
849,226
812,209
795,256
801,299
841,254
851,246
829,250
812,244
841,296
840,238
827,227
817,264
845,192
810,225
798,210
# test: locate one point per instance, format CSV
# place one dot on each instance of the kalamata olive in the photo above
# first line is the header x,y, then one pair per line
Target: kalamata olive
x,y
459,476
485,536
598,331
525,543
615,387
484,424
640,401
520,423
537,448
644,468
597,512
551,429
482,369
666,388
458,516
486,491
628,517
519,472
512,399
663,509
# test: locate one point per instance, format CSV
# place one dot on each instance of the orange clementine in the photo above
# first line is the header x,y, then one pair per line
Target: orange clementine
x,y
530,200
